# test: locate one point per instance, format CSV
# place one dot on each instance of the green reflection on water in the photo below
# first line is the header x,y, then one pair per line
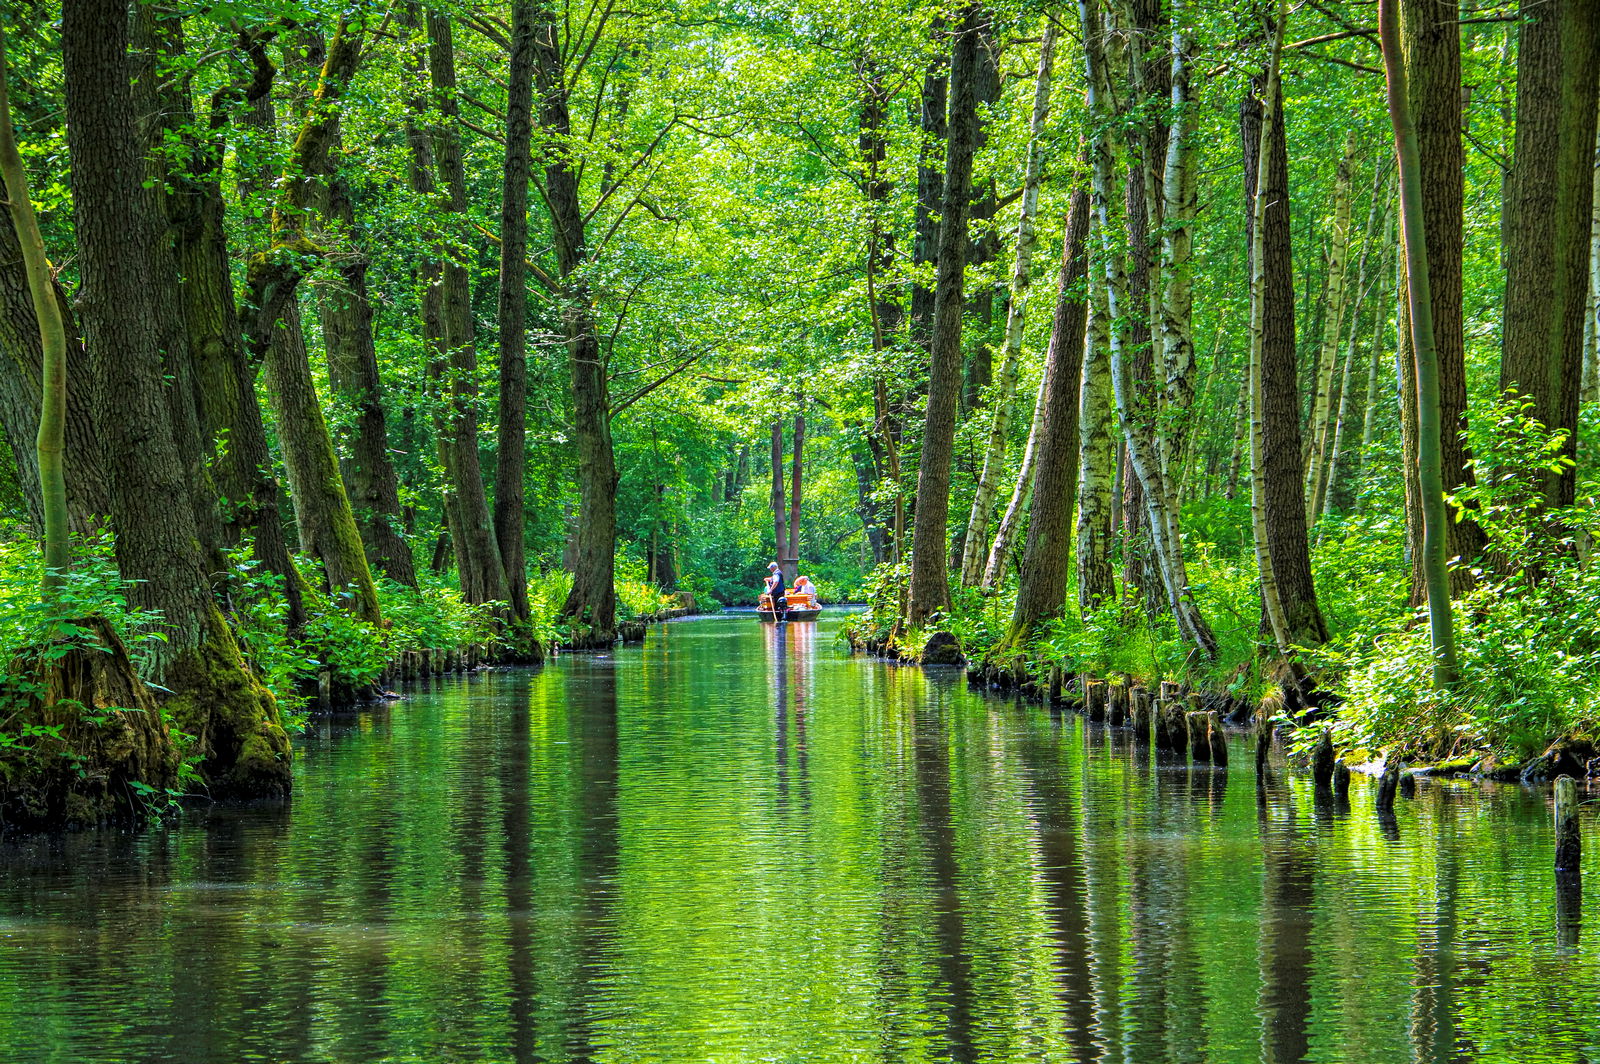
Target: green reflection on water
x,y
739,844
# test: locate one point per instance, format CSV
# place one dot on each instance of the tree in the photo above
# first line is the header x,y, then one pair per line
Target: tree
x,y
930,585
1550,210
243,749
1420,304
512,452
974,552
1135,409
1046,558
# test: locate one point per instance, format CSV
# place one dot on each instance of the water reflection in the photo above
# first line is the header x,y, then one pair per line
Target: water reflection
x,y
739,844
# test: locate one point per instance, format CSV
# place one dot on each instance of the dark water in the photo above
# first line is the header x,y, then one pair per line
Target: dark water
x,y
740,845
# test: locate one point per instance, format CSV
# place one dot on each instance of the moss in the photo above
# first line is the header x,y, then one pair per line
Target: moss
x,y
243,750
85,742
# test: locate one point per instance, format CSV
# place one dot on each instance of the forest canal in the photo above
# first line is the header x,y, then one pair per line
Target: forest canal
x,y
738,843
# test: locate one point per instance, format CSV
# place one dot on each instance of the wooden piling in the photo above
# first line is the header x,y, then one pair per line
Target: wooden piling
x,y
1217,740
1139,709
1177,728
1194,722
1094,700
1055,684
1341,781
1322,762
1117,703
1388,784
1264,731
324,689
1569,844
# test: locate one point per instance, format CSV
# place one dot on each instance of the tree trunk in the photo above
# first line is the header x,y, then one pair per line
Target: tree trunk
x,y
323,516
1419,301
21,398
1134,405
1345,461
1097,460
1315,447
1177,249
512,452
1281,481
1432,42
930,189
50,442
242,748
1046,556
477,552
1551,211
974,554
780,524
591,606
930,585
228,409
791,560
370,480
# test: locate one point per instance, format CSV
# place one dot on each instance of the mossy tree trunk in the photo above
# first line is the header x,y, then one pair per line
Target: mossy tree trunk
x,y
213,697
477,552
228,410
370,481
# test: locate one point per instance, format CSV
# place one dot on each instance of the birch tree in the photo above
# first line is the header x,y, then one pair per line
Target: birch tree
x,y
974,553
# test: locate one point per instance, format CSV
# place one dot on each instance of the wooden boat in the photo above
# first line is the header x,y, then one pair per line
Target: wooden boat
x,y
807,609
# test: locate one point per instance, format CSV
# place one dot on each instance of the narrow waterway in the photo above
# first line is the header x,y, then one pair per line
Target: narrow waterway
x,y
739,843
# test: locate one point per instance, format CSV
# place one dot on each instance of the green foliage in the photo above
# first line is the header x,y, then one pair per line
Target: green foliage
x,y
1528,632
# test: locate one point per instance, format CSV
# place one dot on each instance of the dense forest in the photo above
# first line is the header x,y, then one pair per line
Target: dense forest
x,y
1247,345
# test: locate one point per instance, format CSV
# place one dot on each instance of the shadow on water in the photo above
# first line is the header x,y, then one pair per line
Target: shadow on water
x,y
738,843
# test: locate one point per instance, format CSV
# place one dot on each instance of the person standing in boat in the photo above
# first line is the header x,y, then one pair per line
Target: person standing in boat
x,y
775,589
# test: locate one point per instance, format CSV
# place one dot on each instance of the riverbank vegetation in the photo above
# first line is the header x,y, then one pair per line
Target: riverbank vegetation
x,y
1247,345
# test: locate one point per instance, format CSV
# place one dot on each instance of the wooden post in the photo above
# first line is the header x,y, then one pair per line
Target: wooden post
x,y
1117,702
1195,724
1388,784
1055,684
1322,762
1217,740
1094,698
1569,845
1139,702
1341,781
1264,732
1177,727
324,689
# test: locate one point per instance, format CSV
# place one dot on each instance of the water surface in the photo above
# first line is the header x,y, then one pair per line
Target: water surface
x,y
739,843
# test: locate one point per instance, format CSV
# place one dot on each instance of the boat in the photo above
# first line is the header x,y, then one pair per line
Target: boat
x,y
807,609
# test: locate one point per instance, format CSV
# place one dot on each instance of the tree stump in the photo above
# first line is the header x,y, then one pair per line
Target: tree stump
x,y
1217,740
1199,745
1322,762
1117,703
1388,784
1569,844
1094,700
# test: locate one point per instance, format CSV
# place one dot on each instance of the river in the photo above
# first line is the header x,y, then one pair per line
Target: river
x,y
740,843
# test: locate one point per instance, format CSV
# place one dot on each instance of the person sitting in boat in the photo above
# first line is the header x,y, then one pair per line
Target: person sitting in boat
x,y
804,595
775,590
